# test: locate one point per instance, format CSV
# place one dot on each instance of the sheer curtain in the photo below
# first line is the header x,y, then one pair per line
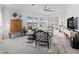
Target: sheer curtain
x,y
0,23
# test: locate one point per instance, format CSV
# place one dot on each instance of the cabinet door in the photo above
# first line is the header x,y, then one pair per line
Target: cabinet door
x,y
16,25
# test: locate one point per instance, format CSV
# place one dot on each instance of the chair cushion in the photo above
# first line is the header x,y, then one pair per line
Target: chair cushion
x,y
41,36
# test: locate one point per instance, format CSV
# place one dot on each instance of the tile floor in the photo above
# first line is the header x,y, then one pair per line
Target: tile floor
x,y
59,45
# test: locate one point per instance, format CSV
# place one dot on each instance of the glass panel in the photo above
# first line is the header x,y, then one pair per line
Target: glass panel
x,y
0,24
44,23
35,20
32,21
43,20
29,20
55,22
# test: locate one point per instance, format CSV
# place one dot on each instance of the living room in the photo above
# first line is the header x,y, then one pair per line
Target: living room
x,y
17,19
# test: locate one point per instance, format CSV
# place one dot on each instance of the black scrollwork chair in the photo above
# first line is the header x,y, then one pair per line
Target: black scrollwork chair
x,y
42,37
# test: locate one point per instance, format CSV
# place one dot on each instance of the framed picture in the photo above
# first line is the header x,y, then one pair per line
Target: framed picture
x,y
15,14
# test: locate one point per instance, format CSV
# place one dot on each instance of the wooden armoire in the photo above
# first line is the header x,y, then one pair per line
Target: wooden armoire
x,y
15,26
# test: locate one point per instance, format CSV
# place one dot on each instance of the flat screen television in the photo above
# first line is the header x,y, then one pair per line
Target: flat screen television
x,y
70,23
76,23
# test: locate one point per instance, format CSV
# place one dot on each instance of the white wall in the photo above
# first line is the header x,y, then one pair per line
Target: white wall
x,y
6,22
73,10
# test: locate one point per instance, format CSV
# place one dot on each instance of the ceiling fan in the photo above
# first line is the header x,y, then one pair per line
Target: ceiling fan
x,y
48,9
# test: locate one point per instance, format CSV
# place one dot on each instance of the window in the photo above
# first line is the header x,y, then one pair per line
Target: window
x,y
36,22
55,22
33,21
44,23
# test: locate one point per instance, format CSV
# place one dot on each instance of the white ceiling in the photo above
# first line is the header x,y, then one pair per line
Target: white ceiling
x,y
38,8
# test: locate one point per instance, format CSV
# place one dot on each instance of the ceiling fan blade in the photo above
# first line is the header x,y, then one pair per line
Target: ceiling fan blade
x,y
49,10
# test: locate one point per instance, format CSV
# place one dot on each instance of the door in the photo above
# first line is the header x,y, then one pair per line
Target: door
x,y
16,26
